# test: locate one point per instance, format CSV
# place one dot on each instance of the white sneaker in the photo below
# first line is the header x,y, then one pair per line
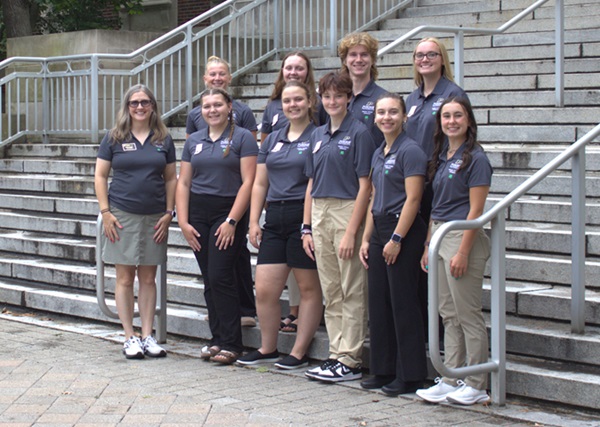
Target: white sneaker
x,y
438,392
339,372
151,347
467,395
133,349
314,372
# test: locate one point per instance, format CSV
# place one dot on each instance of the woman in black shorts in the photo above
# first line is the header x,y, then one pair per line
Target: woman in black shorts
x,y
280,180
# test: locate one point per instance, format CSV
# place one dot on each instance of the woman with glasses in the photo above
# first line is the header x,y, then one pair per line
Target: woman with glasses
x,y
434,81
136,210
217,170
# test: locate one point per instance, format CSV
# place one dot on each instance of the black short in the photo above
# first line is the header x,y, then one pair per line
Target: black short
x,y
281,240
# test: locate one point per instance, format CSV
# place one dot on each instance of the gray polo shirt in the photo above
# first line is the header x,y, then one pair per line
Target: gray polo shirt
x,y
274,119
405,159
285,161
451,185
362,107
214,174
242,116
337,160
421,111
138,185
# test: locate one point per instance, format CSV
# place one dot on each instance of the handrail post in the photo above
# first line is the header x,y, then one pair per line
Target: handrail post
x,y
45,104
94,91
189,68
560,53
459,60
333,26
100,288
498,308
276,26
578,243
161,301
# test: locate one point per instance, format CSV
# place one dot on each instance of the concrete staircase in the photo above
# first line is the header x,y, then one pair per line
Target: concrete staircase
x,y
48,209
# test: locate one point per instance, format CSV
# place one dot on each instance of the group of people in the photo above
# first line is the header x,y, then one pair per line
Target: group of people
x,y
353,181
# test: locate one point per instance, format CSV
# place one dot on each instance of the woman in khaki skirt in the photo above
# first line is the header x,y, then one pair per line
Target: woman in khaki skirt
x,y
136,210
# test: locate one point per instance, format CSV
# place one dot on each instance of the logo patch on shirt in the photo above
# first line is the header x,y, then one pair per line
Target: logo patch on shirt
x,y
317,146
368,108
274,120
198,149
303,146
224,143
453,168
412,110
436,106
389,164
344,144
130,146
277,147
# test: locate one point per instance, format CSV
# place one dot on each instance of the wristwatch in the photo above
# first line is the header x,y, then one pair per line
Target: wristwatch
x,y
230,221
172,213
396,238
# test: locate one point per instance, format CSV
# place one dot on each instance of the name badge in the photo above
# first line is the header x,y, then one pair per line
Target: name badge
x,y
198,149
412,110
277,147
317,146
130,146
275,120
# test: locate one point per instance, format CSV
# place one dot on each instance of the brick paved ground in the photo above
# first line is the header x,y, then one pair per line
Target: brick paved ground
x,y
52,377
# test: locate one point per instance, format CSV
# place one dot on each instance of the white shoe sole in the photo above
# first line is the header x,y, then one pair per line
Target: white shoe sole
x,y
481,399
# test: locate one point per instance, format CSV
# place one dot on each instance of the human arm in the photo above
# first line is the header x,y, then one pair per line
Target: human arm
x,y
307,239
346,248
225,233
414,191
257,202
369,226
460,262
182,201
109,221
162,226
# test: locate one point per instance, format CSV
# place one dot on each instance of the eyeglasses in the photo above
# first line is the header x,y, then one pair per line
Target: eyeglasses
x,y
144,103
429,55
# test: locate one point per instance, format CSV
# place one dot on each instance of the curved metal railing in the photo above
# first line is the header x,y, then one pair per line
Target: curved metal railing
x,y
496,215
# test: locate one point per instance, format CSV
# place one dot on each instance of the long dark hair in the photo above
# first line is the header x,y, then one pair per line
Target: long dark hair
x,y
310,76
439,138
229,100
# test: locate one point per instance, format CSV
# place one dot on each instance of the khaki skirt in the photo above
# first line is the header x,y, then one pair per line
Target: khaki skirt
x,y
136,245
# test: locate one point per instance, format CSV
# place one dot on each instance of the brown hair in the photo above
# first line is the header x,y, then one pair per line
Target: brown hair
x,y
229,100
121,131
336,80
310,76
439,138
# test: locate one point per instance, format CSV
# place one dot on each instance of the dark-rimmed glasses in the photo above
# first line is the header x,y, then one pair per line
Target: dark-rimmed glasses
x,y
430,55
144,103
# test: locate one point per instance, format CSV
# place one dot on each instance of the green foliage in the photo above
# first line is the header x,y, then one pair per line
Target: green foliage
x,y
57,16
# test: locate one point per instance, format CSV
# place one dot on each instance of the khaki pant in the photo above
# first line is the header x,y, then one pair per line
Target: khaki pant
x,y
465,334
344,282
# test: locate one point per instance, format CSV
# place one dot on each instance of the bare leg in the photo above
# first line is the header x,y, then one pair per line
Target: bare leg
x,y
270,280
147,297
311,309
124,297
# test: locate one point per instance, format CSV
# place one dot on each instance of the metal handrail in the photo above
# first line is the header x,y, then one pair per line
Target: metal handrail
x,y
161,289
459,33
496,215
78,94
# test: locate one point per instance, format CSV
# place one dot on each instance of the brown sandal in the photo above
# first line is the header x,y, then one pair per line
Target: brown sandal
x,y
225,357
208,352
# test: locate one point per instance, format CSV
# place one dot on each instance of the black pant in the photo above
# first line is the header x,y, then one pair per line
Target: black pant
x,y
206,214
395,321
243,274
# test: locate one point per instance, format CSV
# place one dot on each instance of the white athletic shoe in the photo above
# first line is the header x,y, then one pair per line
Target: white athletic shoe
x,y
467,395
438,392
